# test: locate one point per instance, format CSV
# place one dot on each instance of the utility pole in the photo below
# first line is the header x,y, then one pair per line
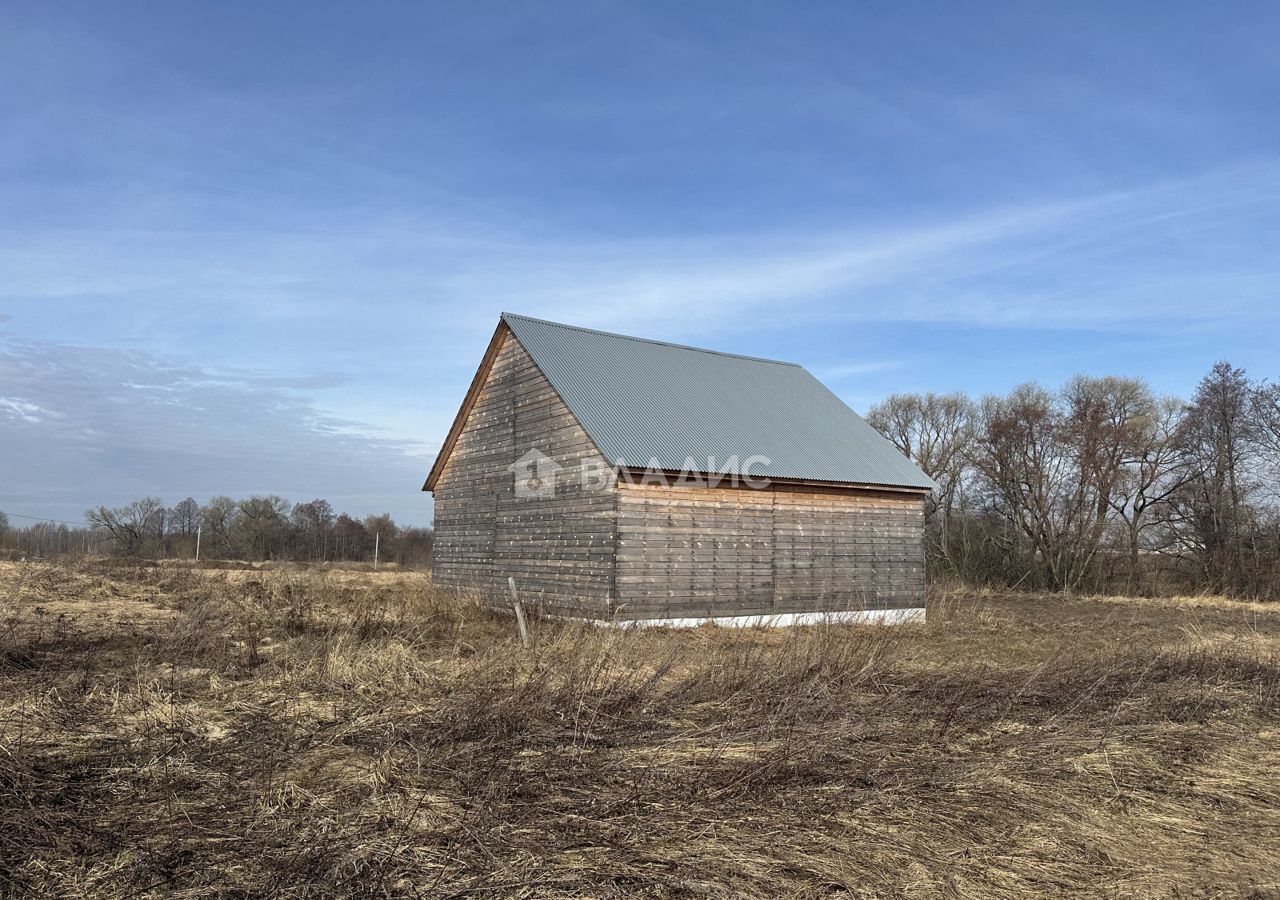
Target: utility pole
x,y
199,528
376,537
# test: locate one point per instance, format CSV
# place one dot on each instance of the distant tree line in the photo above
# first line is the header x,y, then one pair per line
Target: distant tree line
x,y
254,529
1101,485
41,538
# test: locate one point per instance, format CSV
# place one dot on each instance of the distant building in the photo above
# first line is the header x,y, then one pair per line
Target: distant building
x,y
620,478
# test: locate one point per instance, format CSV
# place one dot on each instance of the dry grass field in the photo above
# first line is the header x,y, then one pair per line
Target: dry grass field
x,y
293,732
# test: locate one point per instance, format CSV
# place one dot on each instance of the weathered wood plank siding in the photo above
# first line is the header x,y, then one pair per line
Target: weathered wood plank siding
x,y
698,551
559,549
690,551
847,551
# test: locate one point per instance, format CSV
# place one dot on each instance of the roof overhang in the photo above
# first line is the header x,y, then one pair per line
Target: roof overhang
x,y
636,476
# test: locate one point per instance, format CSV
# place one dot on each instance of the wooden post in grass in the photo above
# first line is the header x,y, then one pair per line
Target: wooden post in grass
x,y
515,604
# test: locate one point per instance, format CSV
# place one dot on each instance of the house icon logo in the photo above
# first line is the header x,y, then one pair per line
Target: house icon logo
x,y
535,475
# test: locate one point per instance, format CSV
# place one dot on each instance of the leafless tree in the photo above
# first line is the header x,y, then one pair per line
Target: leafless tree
x,y
1021,462
184,518
1053,466
259,525
934,430
1266,413
353,539
1107,424
1150,482
130,525
314,522
218,516
1220,440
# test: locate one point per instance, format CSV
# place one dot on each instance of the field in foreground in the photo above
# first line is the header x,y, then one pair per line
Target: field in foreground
x,y
299,732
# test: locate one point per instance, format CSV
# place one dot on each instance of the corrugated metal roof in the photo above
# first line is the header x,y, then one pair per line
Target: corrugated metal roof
x,y
643,400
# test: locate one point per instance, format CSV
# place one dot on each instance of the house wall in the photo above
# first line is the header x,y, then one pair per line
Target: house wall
x,y
700,551
559,550
847,550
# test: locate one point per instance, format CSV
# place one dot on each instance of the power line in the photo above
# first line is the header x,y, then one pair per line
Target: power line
x,y
43,519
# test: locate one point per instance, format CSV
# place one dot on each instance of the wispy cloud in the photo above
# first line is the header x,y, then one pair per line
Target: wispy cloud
x,y
1153,253
82,425
849,370
1162,254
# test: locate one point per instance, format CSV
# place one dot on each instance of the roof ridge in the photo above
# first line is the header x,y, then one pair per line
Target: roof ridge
x,y
629,337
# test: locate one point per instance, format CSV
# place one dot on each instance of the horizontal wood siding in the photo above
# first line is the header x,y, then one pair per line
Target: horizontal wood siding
x,y
697,551
847,551
559,549
688,551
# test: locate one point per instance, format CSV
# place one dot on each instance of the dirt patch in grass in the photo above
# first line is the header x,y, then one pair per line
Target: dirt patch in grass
x,y
309,732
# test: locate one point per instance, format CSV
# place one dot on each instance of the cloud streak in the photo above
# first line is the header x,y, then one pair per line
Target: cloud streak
x,y
1150,254
85,425
1165,254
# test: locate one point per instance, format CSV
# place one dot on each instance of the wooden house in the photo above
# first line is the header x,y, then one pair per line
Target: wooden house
x,y
624,479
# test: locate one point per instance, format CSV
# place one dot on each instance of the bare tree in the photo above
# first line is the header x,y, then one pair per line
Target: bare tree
x,y
1265,410
1053,466
1107,424
130,525
1150,480
1221,442
184,518
935,431
218,516
314,521
353,539
259,526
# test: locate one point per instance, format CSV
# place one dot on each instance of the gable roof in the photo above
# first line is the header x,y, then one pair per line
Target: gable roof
x,y
645,402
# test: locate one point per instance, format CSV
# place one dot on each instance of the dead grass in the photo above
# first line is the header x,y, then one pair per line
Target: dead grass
x,y
170,731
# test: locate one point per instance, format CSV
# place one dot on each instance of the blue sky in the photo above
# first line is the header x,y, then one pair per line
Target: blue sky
x,y
260,247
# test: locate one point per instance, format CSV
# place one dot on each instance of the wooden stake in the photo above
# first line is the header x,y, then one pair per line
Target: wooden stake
x,y
515,604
